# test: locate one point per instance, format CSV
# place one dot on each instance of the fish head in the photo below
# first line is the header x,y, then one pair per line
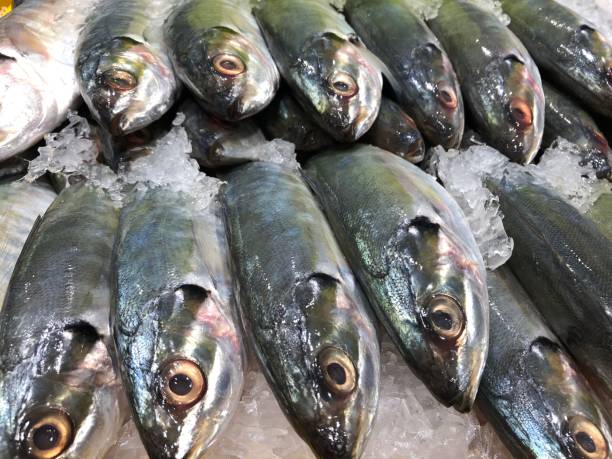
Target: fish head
x,y
186,397
594,62
440,103
338,85
71,413
451,316
331,400
24,105
126,85
514,108
233,77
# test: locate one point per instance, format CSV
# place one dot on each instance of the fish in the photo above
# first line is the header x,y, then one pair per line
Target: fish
x,y
286,119
600,214
216,143
176,332
532,391
59,393
565,264
419,70
124,71
565,118
416,258
331,74
219,53
396,131
21,204
302,309
37,82
500,81
567,47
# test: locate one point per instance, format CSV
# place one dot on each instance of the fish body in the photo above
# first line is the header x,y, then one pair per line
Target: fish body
x,y
302,308
420,72
177,339
286,119
328,70
220,55
59,394
216,143
21,204
565,264
396,132
37,81
532,391
567,47
565,118
123,68
500,82
413,252
600,214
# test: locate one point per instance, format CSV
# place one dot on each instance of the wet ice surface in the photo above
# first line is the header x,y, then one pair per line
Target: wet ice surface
x,y
599,12
462,175
428,9
410,423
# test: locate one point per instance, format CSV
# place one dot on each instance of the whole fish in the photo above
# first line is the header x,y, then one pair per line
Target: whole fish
x,y
600,214
177,339
124,72
37,81
21,204
565,265
303,310
220,55
567,47
285,119
330,73
500,82
59,394
531,389
396,132
420,72
565,118
415,256
217,143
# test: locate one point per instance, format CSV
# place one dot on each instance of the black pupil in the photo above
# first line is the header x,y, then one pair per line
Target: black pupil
x,y
46,437
336,373
586,442
181,384
228,65
341,86
442,320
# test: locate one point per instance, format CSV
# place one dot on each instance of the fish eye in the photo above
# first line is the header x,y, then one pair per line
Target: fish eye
x,y
48,435
446,96
587,439
444,316
343,84
182,383
339,374
520,112
120,80
228,65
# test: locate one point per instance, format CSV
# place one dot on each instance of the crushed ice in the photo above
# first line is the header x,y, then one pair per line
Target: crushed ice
x,y
428,9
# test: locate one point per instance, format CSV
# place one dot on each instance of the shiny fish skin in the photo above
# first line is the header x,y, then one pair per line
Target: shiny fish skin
x,y
62,364
201,31
21,204
565,264
420,72
396,132
174,303
600,214
412,250
216,143
564,118
328,70
285,119
124,73
500,82
304,312
566,47
37,81
531,389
